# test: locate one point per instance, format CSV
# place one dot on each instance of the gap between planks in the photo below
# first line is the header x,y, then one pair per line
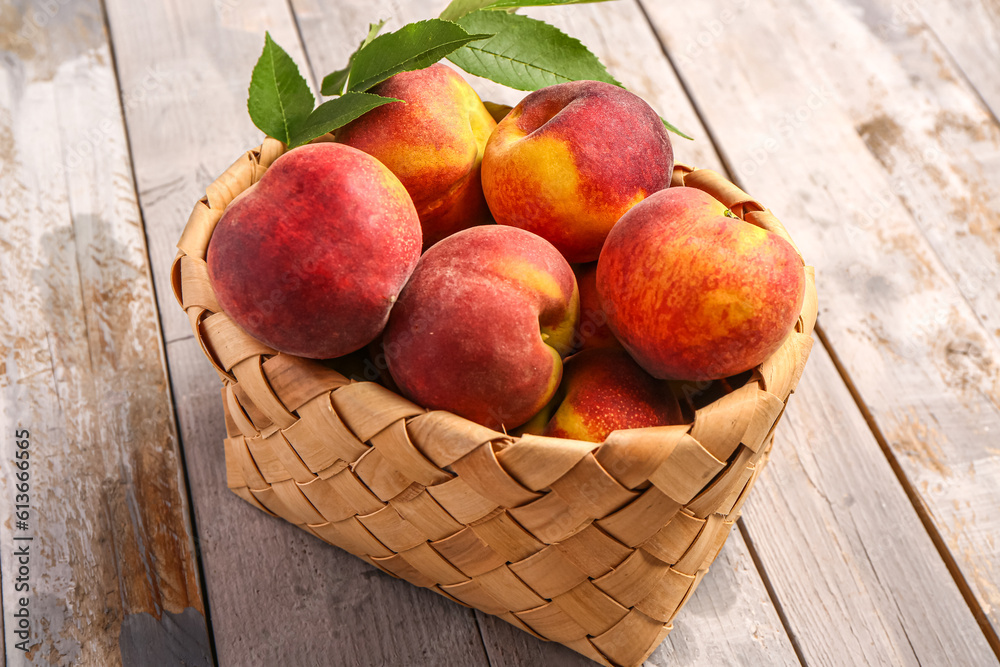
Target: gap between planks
x,y
769,587
918,505
206,603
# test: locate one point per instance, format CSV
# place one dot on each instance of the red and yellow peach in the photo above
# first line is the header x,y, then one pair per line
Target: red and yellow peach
x,y
433,141
604,391
695,293
311,258
569,160
482,326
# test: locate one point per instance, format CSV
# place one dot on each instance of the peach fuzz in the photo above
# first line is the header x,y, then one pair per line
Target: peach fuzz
x,y
695,294
311,258
433,141
481,328
604,391
569,160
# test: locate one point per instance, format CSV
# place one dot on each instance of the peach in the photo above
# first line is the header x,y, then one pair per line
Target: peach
x,y
605,390
311,258
433,140
693,292
482,326
569,160
593,330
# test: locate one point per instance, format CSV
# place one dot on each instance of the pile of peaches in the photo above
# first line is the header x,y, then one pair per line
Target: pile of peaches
x,y
574,315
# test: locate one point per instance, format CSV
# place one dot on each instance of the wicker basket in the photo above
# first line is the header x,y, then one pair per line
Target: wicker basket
x,y
594,546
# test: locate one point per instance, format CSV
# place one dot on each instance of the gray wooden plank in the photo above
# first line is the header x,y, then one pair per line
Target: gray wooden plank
x,y
968,29
861,561
936,141
277,595
730,614
916,351
112,573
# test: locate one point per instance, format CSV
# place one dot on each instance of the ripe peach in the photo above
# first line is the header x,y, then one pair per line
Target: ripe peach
x,y
482,326
433,141
569,160
592,331
693,293
605,390
311,258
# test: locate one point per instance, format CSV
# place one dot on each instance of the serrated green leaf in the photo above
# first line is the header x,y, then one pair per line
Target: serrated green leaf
x,y
279,97
335,83
456,9
459,8
508,4
373,31
525,53
336,113
414,46
673,128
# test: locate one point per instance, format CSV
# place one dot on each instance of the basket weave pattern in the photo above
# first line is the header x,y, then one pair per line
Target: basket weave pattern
x,y
596,546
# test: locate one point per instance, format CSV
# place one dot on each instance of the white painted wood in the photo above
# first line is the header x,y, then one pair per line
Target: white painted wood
x,y
936,141
111,565
920,358
277,595
852,559
970,31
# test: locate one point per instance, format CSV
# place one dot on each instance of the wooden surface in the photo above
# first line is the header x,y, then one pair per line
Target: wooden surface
x,y
868,126
111,561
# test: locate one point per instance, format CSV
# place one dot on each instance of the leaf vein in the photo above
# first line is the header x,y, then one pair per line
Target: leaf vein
x,y
528,67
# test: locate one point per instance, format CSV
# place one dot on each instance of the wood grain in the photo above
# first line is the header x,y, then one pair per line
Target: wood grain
x,y
277,595
112,566
970,31
858,577
936,141
917,353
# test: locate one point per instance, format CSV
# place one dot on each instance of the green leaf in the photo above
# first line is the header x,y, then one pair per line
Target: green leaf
x,y
456,9
373,31
335,83
414,46
279,97
459,8
525,53
336,113
673,128
507,4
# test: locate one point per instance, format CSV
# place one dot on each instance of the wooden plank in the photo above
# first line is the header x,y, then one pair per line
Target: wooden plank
x,y
830,591
860,561
731,615
882,286
937,143
111,565
278,595
969,30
